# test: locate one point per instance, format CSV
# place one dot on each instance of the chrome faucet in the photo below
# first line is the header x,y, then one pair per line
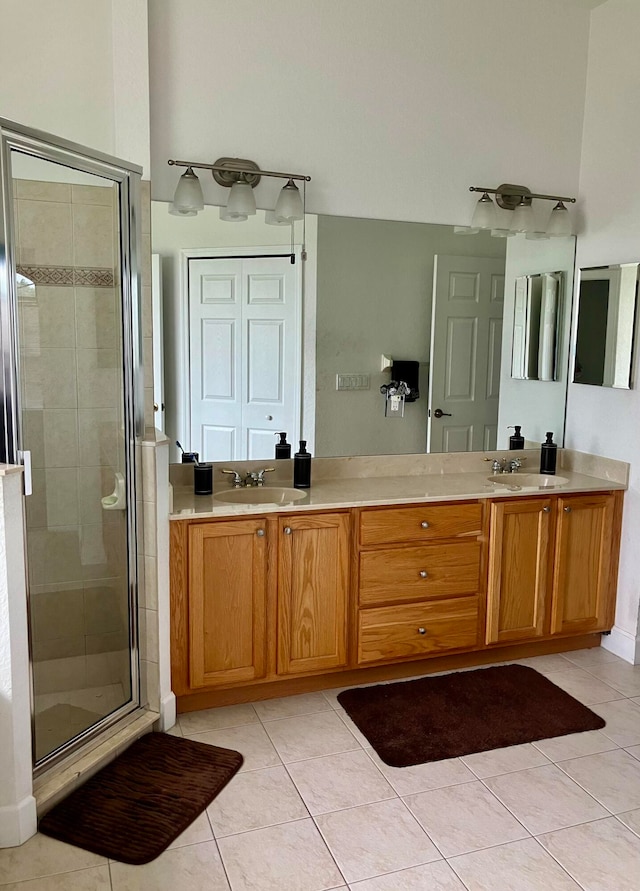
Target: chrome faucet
x,y
505,465
252,478
256,477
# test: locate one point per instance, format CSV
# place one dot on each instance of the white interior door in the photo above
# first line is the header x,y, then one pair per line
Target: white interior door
x,y
466,337
244,343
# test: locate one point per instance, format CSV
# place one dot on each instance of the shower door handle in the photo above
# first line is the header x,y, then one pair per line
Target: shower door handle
x,y
25,459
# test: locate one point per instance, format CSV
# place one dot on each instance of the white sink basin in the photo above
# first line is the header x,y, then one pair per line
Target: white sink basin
x,y
527,480
261,495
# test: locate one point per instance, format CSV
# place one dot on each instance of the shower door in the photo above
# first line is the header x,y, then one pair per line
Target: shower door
x,y
70,356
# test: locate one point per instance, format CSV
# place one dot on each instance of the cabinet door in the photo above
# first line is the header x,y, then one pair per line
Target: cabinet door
x,y
583,596
518,569
313,585
227,602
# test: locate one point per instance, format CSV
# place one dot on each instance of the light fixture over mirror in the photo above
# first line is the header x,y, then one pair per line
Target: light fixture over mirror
x,y
241,177
518,200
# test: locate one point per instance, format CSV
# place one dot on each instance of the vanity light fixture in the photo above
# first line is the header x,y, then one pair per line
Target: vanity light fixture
x,y
241,177
188,198
517,199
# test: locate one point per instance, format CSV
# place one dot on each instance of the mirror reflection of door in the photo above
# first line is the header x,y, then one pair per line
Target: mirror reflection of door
x,y
466,341
245,357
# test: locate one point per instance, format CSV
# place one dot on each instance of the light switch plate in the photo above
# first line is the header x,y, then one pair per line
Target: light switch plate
x,y
352,382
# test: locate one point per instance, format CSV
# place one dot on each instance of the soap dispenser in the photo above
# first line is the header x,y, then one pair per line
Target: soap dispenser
x,y
302,467
516,441
548,455
283,448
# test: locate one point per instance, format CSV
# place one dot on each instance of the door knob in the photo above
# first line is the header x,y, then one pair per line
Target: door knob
x,y
567,510
287,530
423,573
424,524
438,413
269,417
260,533
547,509
422,630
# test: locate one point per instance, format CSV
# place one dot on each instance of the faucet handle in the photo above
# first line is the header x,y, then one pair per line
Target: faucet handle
x,y
259,475
237,482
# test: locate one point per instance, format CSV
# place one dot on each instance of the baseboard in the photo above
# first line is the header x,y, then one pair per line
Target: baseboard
x,y
18,822
168,712
623,644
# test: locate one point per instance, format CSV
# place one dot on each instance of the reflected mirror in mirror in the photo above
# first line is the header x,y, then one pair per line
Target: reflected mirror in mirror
x,y
607,306
255,344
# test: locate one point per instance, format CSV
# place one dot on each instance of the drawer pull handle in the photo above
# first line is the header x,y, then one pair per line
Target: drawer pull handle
x,y
424,524
260,533
423,573
287,530
546,510
567,510
422,630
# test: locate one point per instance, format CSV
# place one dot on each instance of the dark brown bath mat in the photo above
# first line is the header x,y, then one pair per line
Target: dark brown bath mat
x,y
457,714
137,805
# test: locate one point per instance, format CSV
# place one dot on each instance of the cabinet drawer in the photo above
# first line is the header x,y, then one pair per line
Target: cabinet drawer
x,y
417,573
430,521
400,632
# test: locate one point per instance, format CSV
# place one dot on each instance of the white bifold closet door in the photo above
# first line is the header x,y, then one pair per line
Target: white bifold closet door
x,y
245,355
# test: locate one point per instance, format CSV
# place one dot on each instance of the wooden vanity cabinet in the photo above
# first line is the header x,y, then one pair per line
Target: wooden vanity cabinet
x,y
227,578
552,566
313,592
419,581
585,570
519,569
258,598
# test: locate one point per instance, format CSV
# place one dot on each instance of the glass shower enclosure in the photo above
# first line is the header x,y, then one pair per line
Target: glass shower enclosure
x,y
70,346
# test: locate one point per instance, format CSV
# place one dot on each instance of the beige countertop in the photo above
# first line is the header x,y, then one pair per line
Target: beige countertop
x,y
345,492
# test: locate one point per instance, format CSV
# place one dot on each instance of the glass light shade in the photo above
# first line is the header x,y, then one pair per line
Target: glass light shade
x,y
464,230
484,215
537,236
241,199
560,221
289,204
177,212
272,219
232,217
502,233
188,195
522,220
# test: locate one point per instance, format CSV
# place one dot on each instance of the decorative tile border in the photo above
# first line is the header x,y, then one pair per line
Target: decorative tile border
x,y
80,276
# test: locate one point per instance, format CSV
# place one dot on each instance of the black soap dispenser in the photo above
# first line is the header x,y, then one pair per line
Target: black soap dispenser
x,y
517,440
548,455
283,448
302,467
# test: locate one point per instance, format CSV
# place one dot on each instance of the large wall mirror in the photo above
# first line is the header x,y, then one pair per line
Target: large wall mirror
x,y
607,318
255,344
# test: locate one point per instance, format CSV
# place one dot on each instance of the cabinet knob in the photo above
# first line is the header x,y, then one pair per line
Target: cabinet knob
x,y
424,524
422,630
423,573
287,530
567,510
260,533
546,510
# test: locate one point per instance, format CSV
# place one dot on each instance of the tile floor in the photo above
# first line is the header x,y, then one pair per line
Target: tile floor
x,y
313,808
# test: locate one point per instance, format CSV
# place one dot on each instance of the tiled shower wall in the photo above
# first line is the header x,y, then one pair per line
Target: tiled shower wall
x,y
67,245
